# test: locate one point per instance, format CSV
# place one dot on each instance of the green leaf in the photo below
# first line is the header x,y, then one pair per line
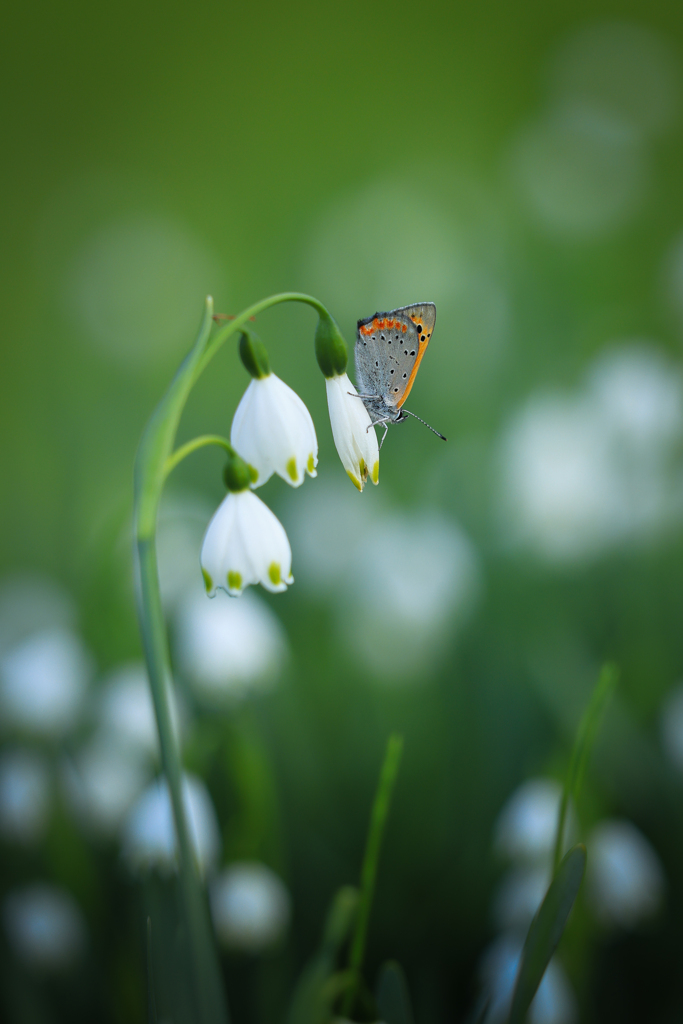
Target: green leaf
x,y
391,995
319,986
583,744
546,931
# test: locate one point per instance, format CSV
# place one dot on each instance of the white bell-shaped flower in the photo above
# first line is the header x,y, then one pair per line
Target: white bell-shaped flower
x,y
352,430
273,431
244,542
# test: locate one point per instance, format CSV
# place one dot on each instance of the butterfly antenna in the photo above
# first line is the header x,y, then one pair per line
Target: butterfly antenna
x,y
425,423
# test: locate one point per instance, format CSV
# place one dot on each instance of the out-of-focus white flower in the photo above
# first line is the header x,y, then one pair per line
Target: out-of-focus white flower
x,y
24,795
399,630
43,681
126,711
149,837
102,781
45,926
554,1002
583,172
182,524
352,430
624,876
273,431
561,491
228,648
520,894
672,726
623,70
527,825
583,473
250,906
325,524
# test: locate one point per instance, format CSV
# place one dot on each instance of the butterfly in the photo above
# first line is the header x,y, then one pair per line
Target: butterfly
x,y
389,350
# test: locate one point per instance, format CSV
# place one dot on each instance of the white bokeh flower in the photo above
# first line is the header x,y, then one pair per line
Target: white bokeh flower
x,y
527,825
126,710
397,636
228,648
45,926
554,1002
273,431
43,682
352,430
24,795
149,837
245,543
101,782
624,875
250,906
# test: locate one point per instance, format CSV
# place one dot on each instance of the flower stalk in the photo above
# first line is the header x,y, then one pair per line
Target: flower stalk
x,y
154,461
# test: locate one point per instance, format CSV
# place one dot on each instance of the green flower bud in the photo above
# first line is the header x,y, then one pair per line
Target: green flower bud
x,y
254,356
330,348
237,474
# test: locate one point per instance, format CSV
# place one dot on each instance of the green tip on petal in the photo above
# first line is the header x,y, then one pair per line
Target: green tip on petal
x,y
254,356
208,582
330,347
310,465
274,573
375,473
234,581
291,469
356,482
253,473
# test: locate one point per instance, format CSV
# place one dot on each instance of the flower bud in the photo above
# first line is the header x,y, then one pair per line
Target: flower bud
x,y
254,356
237,475
330,347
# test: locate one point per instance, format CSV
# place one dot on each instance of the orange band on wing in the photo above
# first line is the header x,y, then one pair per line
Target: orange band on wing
x,y
421,349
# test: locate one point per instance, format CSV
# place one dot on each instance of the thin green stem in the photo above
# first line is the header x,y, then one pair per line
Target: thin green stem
x,y
154,461
583,744
192,446
380,811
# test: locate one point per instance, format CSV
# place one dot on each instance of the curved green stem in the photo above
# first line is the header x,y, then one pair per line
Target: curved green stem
x,y
192,446
154,461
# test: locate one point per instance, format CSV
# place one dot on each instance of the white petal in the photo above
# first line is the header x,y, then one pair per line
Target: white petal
x,y
215,544
266,544
273,431
352,429
249,434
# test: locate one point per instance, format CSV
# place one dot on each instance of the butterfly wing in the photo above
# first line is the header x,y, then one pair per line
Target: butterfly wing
x,y
421,317
389,347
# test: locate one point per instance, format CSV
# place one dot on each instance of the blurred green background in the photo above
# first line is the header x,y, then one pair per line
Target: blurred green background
x,y
517,164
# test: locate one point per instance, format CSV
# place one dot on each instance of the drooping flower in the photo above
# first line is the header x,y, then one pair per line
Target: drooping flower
x,y
352,430
272,429
244,543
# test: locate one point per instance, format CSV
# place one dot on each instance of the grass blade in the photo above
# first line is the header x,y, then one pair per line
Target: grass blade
x,y
391,994
314,994
380,810
546,931
583,744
